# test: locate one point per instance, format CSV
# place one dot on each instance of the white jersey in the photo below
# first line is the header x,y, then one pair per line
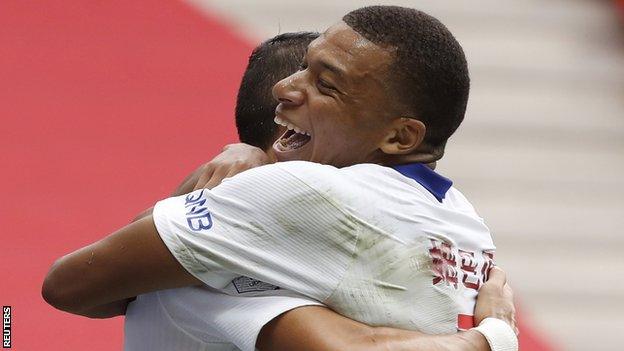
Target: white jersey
x,y
397,247
204,319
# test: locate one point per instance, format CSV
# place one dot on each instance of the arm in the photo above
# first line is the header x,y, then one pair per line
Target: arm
x,y
250,214
234,158
119,307
127,263
317,328
135,260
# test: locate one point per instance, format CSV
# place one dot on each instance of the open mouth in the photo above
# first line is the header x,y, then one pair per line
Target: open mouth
x,y
294,137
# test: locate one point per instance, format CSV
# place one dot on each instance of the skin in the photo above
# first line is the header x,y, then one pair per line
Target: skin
x,y
341,97
352,120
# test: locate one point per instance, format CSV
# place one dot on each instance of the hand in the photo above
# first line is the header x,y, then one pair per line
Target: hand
x,y
234,159
496,300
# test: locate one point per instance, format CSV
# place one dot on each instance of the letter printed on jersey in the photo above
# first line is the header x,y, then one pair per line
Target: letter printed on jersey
x,y
198,217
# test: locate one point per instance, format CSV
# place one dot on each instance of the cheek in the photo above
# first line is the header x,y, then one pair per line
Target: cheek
x,y
341,125
325,113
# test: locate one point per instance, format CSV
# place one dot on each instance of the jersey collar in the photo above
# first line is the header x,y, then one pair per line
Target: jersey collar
x,y
425,176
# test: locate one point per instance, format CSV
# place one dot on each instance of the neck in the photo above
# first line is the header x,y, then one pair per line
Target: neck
x,y
424,158
424,154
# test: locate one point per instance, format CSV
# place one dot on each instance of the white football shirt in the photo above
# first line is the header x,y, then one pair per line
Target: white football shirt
x,y
397,247
204,319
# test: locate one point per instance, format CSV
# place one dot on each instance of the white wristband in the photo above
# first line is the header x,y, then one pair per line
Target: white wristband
x,y
498,334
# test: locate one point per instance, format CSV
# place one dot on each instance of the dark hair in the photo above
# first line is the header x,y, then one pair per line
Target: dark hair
x,y
270,62
429,72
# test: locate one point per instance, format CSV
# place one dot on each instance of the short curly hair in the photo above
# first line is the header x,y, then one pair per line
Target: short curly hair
x,y
429,72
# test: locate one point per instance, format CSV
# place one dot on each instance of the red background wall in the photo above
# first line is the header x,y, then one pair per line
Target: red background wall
x,y
104,106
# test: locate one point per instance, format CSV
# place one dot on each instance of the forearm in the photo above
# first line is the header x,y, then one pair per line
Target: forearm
x,y
129,262
385,339
317,328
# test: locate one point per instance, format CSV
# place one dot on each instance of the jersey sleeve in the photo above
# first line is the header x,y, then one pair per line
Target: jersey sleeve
x,y
280,224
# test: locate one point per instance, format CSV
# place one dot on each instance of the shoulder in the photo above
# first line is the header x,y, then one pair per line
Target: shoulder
x,y
367,171
302,175
308,170
456,200
287,185
301,170
317,176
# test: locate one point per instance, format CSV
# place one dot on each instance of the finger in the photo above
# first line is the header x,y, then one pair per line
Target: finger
x,y
514,325
188,178
217,177
497,277
187,185
204,177
236,170
508,290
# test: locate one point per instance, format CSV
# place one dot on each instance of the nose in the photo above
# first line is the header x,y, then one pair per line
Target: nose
x,y
287,91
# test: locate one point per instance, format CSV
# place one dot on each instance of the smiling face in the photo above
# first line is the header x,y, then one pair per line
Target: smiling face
x,y
337,105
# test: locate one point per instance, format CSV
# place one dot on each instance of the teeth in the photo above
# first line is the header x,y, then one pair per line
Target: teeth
x,y
279,121
289,126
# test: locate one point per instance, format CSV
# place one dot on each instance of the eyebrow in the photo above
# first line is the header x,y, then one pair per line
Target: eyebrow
x,y
337,71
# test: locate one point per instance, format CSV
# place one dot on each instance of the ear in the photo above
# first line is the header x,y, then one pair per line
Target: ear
x,y
404,136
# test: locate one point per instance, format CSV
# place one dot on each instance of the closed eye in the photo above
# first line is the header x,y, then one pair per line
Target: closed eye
x,y
323,84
